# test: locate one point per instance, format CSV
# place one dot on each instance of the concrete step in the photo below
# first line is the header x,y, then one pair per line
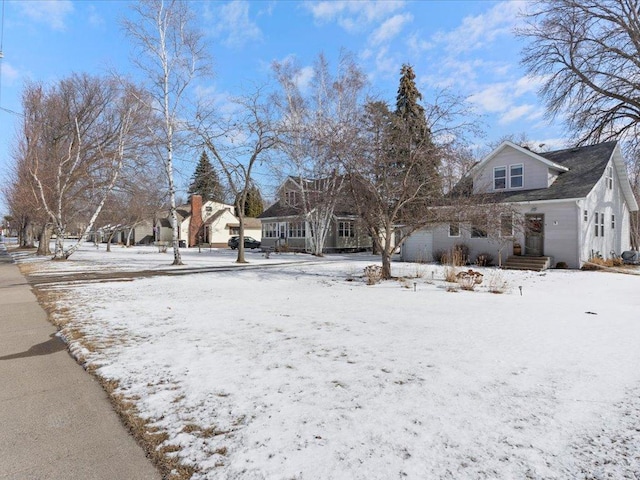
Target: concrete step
x,y
537,264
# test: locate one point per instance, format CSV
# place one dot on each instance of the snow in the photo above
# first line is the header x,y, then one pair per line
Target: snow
x,y
302,371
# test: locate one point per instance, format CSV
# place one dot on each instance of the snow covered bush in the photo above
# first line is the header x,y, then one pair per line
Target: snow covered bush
x,y
497,283
469,279
373,274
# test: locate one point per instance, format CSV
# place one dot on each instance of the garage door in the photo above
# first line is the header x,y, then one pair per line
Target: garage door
x,y
418,247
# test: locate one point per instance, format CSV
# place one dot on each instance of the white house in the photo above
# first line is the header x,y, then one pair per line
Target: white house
x,y
206,222
572,204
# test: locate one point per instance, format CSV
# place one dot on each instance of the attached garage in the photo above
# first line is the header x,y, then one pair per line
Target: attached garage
x,y
418,247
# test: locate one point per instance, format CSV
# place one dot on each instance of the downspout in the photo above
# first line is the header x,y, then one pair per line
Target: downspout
x,y
580,208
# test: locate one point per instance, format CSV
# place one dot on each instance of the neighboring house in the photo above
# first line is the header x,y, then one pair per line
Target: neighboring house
x,y
205,222
285,223
572,204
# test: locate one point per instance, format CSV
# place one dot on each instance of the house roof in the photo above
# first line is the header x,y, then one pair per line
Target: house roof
x,y
580,169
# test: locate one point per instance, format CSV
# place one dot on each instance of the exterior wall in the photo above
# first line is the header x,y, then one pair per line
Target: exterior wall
x,y
560,235
142,231
536,173
333,242
418,247
607,201
218,233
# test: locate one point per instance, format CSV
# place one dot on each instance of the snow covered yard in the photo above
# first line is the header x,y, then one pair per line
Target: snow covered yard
x,y
305,372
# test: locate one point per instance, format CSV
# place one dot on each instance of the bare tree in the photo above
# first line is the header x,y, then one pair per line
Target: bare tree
x,y
171,53
76,135
237,144
316,131
588,52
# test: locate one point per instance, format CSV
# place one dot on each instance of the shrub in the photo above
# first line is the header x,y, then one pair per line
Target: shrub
x,y
497,284
469,279
460,254
373,274
441,257
450,274
484,260
562,265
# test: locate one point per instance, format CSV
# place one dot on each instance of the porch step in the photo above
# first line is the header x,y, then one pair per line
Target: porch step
x,y
521,262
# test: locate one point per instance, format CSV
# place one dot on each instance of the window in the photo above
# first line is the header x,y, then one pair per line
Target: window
x,y
613,222
599,224
499,178
610,177
478,229
297,230
506,225
208,209
585,216
291,198
516,176
454,229
270,230
346,229
234,230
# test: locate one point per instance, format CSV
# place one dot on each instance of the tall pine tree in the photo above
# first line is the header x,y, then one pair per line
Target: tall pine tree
x,y
412,135
205,181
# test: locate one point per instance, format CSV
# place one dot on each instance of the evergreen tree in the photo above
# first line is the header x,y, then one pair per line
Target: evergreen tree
x,y
412,135
253,205
205,181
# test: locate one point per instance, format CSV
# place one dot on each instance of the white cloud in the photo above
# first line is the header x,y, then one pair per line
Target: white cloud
x,y
353,15
390,28
417,45
235,24
9,74
50,12
515,113
304,77
477,31
95,19
492,99
386,64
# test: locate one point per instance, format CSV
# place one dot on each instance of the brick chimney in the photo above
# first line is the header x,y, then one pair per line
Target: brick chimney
x,y
195,224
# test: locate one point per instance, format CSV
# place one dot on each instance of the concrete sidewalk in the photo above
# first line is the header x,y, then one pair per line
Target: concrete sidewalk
x,y
56,422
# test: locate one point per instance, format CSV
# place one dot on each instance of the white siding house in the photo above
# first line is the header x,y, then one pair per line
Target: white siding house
x,y
568,205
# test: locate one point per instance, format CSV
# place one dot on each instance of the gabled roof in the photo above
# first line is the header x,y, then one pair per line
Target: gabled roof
x,y
537,156
580,169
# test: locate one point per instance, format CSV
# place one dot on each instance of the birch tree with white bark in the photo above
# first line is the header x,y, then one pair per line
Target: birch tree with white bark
x,y
317,129
76,136
170,53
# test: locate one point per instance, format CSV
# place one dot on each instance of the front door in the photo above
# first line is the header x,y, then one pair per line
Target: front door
x,y
534,234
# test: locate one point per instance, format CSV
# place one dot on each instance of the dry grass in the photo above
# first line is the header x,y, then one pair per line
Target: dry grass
x,y
149,437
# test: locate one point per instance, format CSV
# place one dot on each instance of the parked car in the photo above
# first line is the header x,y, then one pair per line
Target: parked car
x,y
249,242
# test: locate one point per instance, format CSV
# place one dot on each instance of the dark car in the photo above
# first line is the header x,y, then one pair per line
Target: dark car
x,y
249,242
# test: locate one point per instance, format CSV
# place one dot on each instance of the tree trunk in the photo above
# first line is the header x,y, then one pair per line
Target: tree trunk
x,y
240,205
44,240
109,239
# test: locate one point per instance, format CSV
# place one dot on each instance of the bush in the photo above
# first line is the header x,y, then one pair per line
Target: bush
x,y
484,260
450,274
441,257
460,254
469,279
373,274
562,265
497,284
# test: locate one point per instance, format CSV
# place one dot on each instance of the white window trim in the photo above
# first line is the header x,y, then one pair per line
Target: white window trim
x,y
342,230
521,165
609,177
506,172
613,221
449,230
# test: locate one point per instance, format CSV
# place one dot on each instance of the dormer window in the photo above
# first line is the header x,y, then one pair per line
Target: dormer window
x,y
291,198
516,176
499,178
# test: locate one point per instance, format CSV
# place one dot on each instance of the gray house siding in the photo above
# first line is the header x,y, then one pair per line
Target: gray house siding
x,y
535,173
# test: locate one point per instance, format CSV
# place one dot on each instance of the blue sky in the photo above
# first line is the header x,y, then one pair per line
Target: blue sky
x,y
467,47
